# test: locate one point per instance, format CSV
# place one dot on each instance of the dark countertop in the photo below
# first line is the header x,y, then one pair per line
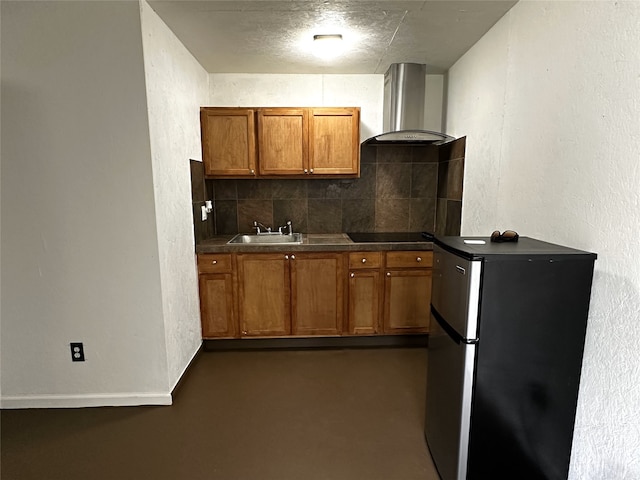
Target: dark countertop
x,y
311,242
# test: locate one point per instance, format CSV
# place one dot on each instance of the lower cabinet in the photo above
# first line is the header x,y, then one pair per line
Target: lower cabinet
x,y
320,293
364,293
290,294
264,290
215,281
216,305
317,293
407,292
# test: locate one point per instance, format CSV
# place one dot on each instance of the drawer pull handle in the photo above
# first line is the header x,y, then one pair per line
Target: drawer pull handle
x,y
214,262
419,259
364,260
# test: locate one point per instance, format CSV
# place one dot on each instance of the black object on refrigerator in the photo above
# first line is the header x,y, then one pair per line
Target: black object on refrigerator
x,y
508,323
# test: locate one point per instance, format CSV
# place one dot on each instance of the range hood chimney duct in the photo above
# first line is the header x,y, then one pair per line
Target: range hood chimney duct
x,y
403,108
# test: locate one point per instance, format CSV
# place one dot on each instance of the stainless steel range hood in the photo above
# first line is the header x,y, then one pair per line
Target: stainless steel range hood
x,y
403,109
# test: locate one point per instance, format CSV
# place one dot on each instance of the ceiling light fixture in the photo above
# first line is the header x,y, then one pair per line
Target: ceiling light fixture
x,y
327,45
328,37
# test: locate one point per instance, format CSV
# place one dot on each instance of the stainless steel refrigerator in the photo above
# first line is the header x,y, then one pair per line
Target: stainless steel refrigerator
x,y
508,323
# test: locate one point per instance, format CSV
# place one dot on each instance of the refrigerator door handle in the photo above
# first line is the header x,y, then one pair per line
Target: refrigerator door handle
x,y
455,336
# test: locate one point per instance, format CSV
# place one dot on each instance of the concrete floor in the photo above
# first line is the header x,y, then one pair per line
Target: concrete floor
x,y
334,414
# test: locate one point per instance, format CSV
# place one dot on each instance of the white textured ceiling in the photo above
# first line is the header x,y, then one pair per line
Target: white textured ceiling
x,y
265,36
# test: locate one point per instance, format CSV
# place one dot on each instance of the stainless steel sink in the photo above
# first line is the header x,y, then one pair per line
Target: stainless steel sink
x,y
267,239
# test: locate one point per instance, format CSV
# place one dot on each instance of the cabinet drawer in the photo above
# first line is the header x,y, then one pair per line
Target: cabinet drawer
x,y
365,260
422,259
214,263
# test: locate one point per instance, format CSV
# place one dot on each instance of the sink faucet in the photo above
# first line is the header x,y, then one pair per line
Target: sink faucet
x,y
288,225
257,226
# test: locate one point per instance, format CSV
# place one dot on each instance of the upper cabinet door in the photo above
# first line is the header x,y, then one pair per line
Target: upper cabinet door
x,y
334,141
280,142
283,147
228,141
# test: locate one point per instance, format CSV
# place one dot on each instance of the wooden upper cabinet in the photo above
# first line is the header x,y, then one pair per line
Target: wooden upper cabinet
x,y
334,141
228,141
282,141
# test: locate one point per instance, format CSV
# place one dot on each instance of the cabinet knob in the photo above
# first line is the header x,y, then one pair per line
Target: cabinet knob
x,y
388,274
286,257
311,171
352,275
214,262
419,259
293,257
364,260
306,171
253,172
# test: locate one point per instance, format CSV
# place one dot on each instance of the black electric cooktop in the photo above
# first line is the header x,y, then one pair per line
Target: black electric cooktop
x,y
383,237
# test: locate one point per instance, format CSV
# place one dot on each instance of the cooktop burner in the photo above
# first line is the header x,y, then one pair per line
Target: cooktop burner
x,y
399,237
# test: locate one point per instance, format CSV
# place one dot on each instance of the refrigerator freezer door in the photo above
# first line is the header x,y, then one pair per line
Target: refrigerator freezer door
x,y
448,408
455,291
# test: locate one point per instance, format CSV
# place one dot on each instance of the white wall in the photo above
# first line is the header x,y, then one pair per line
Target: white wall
x,y
549,100
79,242
0,218
177,86
433,103
262,90
364,91
476,90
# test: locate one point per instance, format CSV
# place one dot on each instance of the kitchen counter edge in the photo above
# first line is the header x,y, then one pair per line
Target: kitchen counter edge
x,y
311,242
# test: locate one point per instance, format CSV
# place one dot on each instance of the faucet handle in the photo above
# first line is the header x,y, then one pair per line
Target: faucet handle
x,y
288,225
257,226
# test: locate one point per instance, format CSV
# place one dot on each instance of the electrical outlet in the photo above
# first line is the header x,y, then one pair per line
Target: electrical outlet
x,y
77,352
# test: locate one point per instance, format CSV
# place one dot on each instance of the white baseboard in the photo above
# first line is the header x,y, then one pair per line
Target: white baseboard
x,y
187,366
79,401
94,400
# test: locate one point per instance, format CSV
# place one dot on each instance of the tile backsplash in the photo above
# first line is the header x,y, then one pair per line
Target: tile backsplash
x,y
206,229
450,183
400,189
